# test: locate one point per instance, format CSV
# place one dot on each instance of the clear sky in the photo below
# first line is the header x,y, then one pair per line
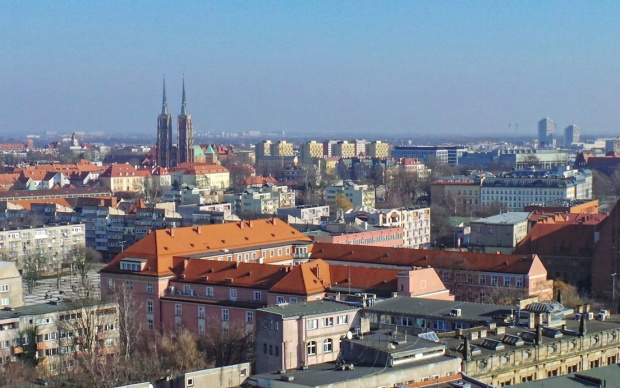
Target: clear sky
x,y
340,67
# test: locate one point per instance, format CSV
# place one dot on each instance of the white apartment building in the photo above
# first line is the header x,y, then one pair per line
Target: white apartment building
x,y
53,242
266,200
415,222
359,195
518,189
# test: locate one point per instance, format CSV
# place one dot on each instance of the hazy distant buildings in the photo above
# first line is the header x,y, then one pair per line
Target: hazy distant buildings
x,y
377,149
571,135
438,154
546,129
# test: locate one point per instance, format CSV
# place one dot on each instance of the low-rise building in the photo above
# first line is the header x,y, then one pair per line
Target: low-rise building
x,y
359,195
499,233
469,276
308,214
266,200
415,222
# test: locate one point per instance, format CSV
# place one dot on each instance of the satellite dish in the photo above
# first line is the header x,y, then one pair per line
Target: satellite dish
x,y
349,335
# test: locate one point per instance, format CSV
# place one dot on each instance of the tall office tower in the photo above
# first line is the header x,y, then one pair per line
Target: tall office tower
x,y
164,135
546,128
185,133
571,135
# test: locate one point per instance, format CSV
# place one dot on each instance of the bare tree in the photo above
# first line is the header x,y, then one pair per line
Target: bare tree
x,y
83,259
227,343
34,264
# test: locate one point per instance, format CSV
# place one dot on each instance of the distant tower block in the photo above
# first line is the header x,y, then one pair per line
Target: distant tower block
x,y
571,135
185,133
164,135
546,128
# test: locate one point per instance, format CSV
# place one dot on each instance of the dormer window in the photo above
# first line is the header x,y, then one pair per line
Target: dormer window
x,y
132,264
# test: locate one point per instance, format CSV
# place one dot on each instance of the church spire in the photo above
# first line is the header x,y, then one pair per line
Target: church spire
x,y
164,104
183,105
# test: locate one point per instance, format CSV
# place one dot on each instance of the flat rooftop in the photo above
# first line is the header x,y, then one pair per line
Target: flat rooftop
x,y
310,308
609,374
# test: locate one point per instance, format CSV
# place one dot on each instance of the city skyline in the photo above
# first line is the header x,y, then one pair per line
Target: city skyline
x,y
347,68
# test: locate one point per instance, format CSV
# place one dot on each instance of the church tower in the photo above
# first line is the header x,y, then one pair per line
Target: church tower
x,y
164,135
185,133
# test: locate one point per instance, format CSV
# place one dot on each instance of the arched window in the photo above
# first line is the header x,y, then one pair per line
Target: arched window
x,y
328,345
312,348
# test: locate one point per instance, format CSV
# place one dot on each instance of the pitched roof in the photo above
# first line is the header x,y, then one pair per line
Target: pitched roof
x,y
406,257
160,246
571,234
199,168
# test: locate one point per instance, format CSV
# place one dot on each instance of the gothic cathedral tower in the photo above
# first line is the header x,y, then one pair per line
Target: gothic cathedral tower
x,y
185,133
164,135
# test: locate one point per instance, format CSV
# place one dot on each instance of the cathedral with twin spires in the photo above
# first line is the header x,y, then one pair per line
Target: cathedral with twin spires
x,y
167,154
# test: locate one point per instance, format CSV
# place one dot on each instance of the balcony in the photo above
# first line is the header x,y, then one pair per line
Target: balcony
x,y
17,350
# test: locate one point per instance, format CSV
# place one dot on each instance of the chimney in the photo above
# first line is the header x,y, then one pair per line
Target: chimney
x,y
583,329
250,224
466,350
274,222
198,230
241,225
171,232
538,339
318,271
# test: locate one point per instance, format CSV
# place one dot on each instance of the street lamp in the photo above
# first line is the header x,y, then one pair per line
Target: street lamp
x,y
613,286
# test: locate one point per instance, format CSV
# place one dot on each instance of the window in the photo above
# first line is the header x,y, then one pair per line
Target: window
x,y
280,300
225,314
178,309
519,282
343,319
4,288
292,299
279,251
312,324
201,312
190,382
494,280
328,345
129,284
470,279
187,289
6,301
149,306
311,348
233,294
506,281
328,322
249,317
257,295
482,280
149,288
209,291
405,321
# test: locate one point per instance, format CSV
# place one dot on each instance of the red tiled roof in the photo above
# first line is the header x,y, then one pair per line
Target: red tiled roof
x,y
407,257
160,246
200,168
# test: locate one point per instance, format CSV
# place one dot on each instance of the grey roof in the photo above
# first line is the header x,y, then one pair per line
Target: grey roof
x,y
504,218
326,374
46,308
309,308
440,308
611,374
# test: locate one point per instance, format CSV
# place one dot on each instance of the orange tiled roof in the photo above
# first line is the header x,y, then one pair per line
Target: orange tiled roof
x,y
123,170
27,204
200,168
8,179
160,246
423,258
571,235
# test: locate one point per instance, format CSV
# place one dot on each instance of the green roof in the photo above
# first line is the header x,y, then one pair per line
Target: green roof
x,y
198,151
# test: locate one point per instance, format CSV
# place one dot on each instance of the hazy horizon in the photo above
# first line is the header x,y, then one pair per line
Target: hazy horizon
x,y
343,68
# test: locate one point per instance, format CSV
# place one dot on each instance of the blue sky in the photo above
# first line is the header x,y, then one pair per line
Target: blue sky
x,y
349,67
